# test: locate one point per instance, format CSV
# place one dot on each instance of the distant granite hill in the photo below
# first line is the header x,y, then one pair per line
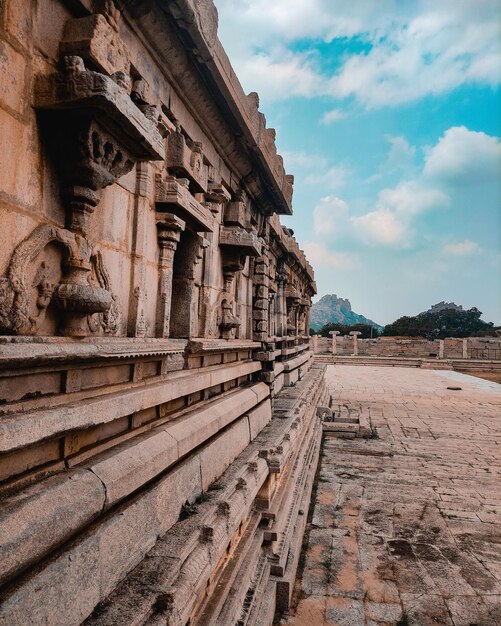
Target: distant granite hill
x,y
442,306
331,309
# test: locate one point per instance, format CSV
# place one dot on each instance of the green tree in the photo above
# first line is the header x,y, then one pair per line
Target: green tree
x,y
442,324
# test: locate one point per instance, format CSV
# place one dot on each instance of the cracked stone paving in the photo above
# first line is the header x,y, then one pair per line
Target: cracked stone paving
x,y
406,525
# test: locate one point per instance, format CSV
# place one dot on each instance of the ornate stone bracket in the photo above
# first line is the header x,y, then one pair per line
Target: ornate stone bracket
x,y
173,194
239,239
187,160
216,197
236,212
97,133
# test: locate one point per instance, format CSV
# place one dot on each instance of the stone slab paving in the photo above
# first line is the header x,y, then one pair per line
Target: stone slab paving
x,y
406,528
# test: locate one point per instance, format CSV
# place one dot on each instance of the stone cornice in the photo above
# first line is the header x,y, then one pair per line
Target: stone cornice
x,y
196,23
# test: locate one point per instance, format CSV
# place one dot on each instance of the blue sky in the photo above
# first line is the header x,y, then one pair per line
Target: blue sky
x,y
389,116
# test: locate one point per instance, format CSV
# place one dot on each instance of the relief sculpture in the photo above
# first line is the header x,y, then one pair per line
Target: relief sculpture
x,y
81,293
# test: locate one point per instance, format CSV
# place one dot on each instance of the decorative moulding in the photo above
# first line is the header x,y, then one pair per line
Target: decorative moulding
x,y
172,194
236,237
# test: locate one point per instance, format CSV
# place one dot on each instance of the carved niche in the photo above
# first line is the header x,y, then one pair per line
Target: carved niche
x,y
72,282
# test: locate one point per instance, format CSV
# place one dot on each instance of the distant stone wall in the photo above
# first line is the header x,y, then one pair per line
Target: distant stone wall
x,y
450,348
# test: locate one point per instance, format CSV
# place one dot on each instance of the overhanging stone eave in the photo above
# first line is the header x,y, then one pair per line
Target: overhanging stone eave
x,y
210,60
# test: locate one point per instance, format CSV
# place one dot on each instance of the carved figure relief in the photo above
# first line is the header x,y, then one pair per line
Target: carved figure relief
x,y
81,292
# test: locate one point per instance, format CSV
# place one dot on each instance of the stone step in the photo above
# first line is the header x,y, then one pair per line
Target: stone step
x,y
345,420
342,434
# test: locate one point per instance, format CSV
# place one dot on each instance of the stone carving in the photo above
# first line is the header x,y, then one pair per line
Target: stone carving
x,y
236,212
185,159
173,194
246,241
229,321
97,133
76,295
216,197
95,37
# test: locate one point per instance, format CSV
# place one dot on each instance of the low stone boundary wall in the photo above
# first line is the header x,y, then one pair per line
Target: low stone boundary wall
x,y
484,348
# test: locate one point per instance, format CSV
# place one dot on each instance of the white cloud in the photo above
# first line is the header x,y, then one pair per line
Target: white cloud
x,y
278,74
380,227
412,49
411,198
320,256
329,117
303,160
401,153
334,178
462,248
330,217
462,156
390,223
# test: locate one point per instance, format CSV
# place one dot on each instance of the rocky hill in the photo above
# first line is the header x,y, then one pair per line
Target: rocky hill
x,y
331,309
442,306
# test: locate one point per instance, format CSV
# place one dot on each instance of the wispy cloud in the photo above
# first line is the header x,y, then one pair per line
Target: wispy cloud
x,y
304,160
330,217
329,117
381,227
322,256
334,178
462,248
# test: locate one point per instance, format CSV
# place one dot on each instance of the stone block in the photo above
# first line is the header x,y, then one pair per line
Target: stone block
x,y
94,39
49,596
12,81
22,180
218,454
195,428
261,390
258,418
90,568
261,304
290,378
43,516
129,466
259,315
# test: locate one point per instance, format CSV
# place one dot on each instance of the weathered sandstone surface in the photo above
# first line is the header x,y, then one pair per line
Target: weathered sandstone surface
x,y
158,425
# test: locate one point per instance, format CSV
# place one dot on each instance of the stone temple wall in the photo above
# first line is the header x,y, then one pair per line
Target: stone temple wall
x,y
486,348
158,427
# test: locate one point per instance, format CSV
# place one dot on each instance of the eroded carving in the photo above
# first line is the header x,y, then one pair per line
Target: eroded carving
x,y
84,306
97,133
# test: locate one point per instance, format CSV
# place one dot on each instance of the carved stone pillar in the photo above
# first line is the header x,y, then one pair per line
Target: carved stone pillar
x,y
281,309
229,321
465,348
355,334
314,343
308,319
186,287
334,334
441,349
169,228
214,200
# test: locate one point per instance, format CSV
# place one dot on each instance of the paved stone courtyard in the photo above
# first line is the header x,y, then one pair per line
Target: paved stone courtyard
x,y
406,527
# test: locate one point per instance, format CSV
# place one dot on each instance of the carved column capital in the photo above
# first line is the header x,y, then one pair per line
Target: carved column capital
x,y
169,229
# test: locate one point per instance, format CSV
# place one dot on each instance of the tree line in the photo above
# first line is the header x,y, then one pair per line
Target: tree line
x,y
438,325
